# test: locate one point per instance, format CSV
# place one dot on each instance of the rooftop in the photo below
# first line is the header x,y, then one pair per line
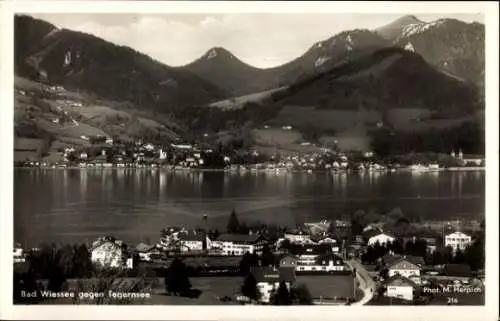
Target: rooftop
x,y
400,280
273,275
142,247
192,236
391,259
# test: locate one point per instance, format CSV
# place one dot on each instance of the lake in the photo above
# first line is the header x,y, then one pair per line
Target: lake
x,y
78,205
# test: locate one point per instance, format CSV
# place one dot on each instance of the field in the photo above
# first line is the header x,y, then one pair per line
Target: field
x,y
28,149
323,119
276,136
328,286
37,108
239,102
97,111
285,142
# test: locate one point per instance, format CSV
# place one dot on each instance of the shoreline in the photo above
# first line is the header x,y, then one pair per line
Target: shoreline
x,y
253,170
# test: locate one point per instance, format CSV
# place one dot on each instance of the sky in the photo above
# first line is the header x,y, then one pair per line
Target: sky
x,y
263,40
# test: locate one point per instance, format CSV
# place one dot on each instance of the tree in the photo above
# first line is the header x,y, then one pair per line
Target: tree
x,y
233,226
104,280
177,280
247,262
416,248
474,254
396,247
267,257
81,261
286,245
249,288
282,295
459,257
301,295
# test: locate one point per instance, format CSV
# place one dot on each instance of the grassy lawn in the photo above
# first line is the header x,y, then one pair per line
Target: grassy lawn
x,y
213,287
328,286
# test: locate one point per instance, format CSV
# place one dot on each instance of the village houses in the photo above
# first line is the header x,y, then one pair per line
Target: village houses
x,y
298,236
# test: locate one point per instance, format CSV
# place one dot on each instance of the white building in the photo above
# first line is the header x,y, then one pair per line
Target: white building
x,y
400,287
308,254
298,236
325,263
402,266
193,241
163,154
457,240
149,147
147,252
269,278
107,252
379,237
238,244
19,254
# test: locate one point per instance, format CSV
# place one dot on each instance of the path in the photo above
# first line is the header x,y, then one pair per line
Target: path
x,y
366,283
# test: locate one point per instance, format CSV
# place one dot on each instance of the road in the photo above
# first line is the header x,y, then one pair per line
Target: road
x,y
366,283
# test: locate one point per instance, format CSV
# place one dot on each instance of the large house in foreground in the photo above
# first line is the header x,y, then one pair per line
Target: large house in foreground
x,y
108,252
400,287
269,278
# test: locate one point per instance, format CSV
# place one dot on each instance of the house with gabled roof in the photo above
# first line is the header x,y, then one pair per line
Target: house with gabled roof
x,y
146,252
108,252
377,236
407,266
269,278
288,260
400,287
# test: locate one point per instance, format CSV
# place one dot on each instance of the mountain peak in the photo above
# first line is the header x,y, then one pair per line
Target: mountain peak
x,y
408,19
392,30
218,52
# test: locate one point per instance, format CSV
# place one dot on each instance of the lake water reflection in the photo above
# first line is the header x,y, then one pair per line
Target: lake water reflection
x,y
75,205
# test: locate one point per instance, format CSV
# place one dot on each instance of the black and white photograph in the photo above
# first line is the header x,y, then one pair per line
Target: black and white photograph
x,y
251,158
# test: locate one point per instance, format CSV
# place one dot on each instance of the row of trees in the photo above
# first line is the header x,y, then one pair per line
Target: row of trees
x,y
234,226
